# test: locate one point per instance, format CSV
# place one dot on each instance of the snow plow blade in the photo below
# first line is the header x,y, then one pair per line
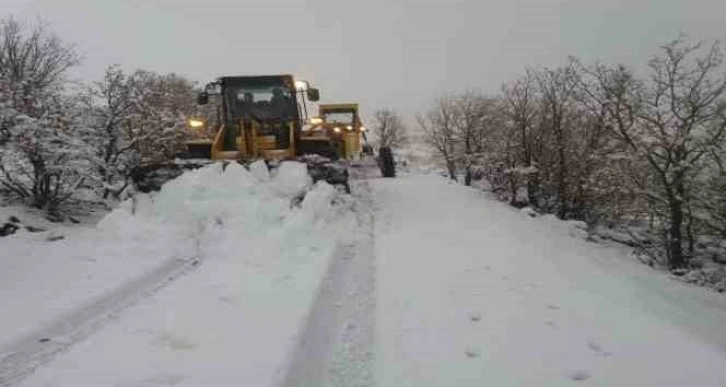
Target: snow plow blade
x,y
152,177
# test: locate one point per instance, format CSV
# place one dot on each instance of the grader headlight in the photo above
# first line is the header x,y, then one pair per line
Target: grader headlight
x,y
195,123
301,85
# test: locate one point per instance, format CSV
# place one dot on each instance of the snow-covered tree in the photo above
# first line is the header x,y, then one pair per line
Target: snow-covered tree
x,y
520,105
438,126
161,104
471,112
110,106
137,119
389,129
675,121
557,88
41,158
710,198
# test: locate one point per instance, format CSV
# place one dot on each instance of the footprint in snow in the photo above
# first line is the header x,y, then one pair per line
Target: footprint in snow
x,y
597,348
552,324
580,376
552,306
174,342
474,317
472,352
162,380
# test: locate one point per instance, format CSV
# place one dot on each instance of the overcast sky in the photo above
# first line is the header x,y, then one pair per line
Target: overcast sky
x,y
381,53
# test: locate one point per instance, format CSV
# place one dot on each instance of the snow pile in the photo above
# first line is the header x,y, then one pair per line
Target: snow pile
x,y
259,170
529,211
291,179
215,194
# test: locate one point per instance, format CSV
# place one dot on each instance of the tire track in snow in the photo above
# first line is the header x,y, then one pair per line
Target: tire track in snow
x,y
335,346
22,357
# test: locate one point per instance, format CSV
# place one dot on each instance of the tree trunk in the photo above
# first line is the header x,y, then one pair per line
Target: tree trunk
x,y
562,183
451,169
675,237
676,258
532,192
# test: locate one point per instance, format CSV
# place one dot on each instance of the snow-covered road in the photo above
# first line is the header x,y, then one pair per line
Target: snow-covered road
x,y
415,281
472,292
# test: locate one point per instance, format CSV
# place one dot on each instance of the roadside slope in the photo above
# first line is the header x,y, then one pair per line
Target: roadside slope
x,y
472,292
235,318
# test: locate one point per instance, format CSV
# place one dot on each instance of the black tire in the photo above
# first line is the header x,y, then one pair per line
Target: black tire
x,y
388,165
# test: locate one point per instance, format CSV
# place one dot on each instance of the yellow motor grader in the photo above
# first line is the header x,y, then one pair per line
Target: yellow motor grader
x,y
343,124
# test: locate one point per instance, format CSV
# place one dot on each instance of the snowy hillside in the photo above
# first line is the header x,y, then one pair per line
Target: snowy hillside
x,y
472,292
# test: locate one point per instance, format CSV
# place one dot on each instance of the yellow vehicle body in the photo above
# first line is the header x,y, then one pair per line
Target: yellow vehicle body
x,y
249,145
343,121
252,124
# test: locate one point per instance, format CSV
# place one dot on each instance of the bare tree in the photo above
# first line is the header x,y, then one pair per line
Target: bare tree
x,y
557,87
675,122
470,111
389,129
439,129
521,104
33,62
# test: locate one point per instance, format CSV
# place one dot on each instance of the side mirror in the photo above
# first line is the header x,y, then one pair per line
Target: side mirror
x,y
203,98
313,94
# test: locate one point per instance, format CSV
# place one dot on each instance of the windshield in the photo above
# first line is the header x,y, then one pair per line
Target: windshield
x,y
339,117
262,102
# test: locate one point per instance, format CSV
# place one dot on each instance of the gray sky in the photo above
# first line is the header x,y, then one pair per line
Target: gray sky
x,y
381,53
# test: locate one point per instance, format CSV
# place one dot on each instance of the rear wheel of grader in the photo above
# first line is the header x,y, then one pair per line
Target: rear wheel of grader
x,y
387,163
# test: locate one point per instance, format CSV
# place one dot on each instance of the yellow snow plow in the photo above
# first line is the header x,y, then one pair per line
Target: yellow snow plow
x,y
248,118
257,117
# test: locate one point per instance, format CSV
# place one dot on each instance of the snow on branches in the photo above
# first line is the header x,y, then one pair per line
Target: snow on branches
x,y
597,143
55,140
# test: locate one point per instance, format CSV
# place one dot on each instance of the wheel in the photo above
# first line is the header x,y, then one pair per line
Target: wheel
x,y
388,166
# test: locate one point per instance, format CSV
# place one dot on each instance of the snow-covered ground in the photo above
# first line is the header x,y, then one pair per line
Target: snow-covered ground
x,y
472,292
235,318
44,275
414,281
